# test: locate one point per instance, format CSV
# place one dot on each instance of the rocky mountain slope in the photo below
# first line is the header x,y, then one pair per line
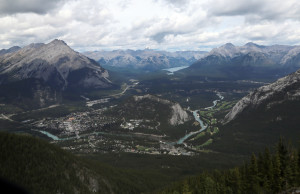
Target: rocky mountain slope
x,y
283,90
145,59
38,74
248,61
54,62
259,119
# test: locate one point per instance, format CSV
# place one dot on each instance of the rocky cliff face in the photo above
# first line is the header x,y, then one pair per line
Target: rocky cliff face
x,y
179,116
283,90
55,63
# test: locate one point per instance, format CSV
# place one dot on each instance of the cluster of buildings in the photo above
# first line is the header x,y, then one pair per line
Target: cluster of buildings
x,y
131,124
76,123
99,101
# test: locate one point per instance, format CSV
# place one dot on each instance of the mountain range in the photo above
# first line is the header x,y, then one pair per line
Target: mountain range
x,y
146,59
250,61
42,71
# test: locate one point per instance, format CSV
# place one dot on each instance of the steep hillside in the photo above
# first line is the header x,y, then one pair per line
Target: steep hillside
x,y
262,116
283,90
43,168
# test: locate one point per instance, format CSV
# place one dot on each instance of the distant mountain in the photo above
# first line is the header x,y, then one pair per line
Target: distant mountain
x,y
145,59
42,71
248,62
10,50
261,117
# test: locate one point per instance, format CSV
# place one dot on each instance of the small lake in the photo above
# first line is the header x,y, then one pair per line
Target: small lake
x,y
174,69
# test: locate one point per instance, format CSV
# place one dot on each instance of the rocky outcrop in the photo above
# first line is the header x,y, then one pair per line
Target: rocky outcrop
x,y
284,89
179,116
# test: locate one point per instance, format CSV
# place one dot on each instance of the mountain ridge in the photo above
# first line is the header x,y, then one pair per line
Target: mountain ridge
x,y
250,61
284,89
9,50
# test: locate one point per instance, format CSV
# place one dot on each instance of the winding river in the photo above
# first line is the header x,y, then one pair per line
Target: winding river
x,y
197,118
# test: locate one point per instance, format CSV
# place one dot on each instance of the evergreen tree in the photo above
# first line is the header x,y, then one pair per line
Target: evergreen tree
x,y
186,188
245,177
261,170
267,170
284,160
234,180
298,166
294,174
253,172
277,182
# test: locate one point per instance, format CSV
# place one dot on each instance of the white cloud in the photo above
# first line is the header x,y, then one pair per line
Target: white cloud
x,y
158,24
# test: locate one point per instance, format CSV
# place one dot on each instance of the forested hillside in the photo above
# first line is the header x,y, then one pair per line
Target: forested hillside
x,y
42,168
265,173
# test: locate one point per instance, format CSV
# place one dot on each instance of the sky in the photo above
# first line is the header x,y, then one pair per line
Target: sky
x,y
88,25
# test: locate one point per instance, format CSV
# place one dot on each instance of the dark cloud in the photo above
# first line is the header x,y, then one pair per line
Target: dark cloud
x,y
159,37
178,2
8,7
235,7
178,5
256,10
